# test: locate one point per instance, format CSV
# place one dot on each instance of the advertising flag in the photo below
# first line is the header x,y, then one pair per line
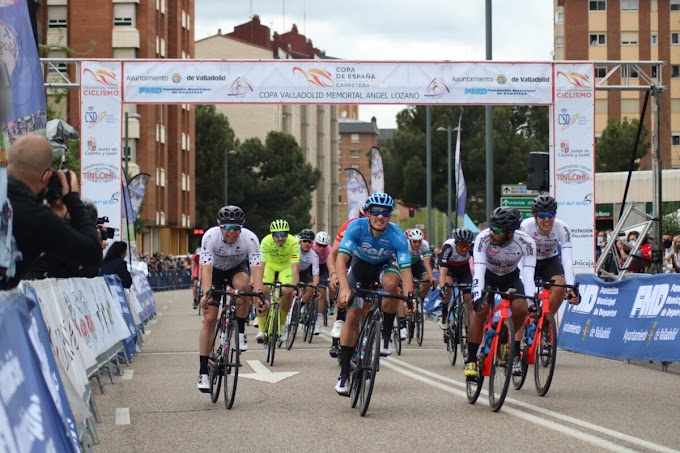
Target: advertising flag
x,y
461,188
357,191
377,175
137,190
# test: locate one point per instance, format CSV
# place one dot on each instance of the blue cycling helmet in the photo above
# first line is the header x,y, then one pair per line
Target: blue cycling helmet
x,y
381,200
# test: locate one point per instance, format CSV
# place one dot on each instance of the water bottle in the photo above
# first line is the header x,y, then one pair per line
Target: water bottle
x,y
489,338
364,342
531,330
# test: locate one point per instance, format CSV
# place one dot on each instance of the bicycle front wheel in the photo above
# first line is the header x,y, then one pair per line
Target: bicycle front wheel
x,y
396,335
313,311
518,381
370,365
463,325
420,322
546,354
272,333
215,363
501,365
232,354
451,345
326,306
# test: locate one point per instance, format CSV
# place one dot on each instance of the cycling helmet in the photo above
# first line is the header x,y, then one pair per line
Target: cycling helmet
x,y
415,235
307,234
463,235
279,225
322,238
544,203
231,214
505,218
198,251
381,200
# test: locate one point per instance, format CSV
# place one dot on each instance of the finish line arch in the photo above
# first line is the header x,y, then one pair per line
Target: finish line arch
x,y
567,88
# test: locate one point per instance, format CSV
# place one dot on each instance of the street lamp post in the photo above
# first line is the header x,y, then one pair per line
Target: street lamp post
x,y
226,176
126,147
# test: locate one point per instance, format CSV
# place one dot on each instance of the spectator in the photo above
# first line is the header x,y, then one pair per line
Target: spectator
x,y
37,229
667,242
675,255
114,263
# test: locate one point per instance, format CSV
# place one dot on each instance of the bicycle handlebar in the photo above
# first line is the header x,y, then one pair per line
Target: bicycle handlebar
x,y
510,292
382,294
551,284
212,293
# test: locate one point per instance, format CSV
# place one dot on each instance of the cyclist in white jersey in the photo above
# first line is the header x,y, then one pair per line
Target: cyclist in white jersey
x,y
498,250
230,256
308,268
548,232
454,266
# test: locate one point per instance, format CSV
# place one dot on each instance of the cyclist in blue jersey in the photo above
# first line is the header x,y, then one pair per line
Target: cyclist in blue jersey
x,y
371,243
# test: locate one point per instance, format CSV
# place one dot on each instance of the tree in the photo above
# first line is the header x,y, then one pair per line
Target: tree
x,y
614,146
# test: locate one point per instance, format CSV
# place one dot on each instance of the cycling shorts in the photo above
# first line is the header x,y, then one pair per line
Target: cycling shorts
x,y
505,282
366,274
461,275
418,270
222,278
549,267
285,273
306,276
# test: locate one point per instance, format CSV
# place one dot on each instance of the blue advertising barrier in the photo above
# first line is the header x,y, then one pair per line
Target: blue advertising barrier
x,y
116,287
34,414
637,318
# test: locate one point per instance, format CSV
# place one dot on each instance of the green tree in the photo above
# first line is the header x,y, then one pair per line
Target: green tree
x,y
615,145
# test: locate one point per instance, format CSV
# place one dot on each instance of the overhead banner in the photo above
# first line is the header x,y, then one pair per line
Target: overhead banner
x,y
333,82
377,174
100,138
573,157
637,318
357,192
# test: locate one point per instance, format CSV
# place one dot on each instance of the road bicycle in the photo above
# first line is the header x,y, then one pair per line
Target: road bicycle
x,y
224,359
308,316
272,327
496,352
365,361
415,323
293,320
328,302
539,340
456,332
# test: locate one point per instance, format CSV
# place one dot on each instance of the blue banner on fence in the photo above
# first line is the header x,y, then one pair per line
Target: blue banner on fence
x,y
116,287
141,288
637,318
34,414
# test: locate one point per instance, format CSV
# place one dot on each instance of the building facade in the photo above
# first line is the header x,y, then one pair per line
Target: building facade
x,y
161,140
627,30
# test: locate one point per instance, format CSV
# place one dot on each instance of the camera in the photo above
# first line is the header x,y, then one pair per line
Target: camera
x,y
53,192
108,232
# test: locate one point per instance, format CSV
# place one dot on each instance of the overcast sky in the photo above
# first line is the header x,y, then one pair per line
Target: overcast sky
x,y
396,30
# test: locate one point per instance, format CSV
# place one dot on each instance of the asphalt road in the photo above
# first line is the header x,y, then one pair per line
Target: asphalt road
x,y
419,402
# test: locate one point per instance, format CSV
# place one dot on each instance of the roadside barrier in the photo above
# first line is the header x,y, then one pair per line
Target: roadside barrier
x,y
170,280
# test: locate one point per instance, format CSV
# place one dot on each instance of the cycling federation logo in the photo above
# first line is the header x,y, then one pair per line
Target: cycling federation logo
x,y
437,88
103,77
573,85
315,76
575,79
240,87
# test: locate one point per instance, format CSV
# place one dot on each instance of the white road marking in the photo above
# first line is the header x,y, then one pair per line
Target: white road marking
x,y
127,374
153,321
147,332
264,374
122,416
165,307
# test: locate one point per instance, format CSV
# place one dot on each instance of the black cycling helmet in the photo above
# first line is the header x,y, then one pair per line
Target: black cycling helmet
x,y
544,203
463,235
307,234
505,218
231,214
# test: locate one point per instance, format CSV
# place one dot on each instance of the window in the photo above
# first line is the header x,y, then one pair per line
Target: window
x,y
675,140
57,23
629,72
559,42
675,71
124,15
654,72
356,167
122,21
354,138
598,39
597,5
675,5
655,38
629,38
600,72
354,153
630,106
559,17
675,38
56,68
57,16
629,5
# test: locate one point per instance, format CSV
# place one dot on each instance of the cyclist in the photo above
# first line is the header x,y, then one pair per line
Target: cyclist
x,y
195,266
550,232
309,272
321,247
454,266
230,256
420,268
498,251
280,257
373,242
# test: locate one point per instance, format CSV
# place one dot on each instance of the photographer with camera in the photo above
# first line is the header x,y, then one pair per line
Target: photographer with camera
x,y
39,228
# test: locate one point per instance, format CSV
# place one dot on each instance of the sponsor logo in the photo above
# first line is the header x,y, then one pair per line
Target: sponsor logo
x,y
99,173
176,78
575,79
573,85
587,201
581,233
532,79
112,200
566,119
150,90
240,87
103,77
476,91
437,88
501,79
567,151
574,174
315,76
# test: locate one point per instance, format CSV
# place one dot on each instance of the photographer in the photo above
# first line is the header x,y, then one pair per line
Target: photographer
x,y
37,228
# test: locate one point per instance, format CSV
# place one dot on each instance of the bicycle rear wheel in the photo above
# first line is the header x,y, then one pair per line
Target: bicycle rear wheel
x,y
396,335
370,365
232,354
451,345
518,381
215,364
272,333
293,323
326,306
501,365
311,322
473,387
462,331
410,329
546,354
419,322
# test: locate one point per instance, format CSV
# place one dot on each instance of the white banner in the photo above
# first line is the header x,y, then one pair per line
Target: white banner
x,y
334,82
573,163
100,137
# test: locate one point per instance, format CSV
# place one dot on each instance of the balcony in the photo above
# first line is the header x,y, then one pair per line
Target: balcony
x,y
125,37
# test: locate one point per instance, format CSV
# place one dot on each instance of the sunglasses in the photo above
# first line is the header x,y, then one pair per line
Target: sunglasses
x,y
465,245
546,215
416,241
321,245
496,230
281,235
231,227
306,241
380,212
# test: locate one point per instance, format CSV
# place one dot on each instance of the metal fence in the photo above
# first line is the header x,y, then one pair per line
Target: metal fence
x,y
169,280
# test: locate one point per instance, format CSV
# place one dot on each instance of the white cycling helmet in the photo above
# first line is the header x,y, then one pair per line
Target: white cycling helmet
x,y
198,251
416,234
322,238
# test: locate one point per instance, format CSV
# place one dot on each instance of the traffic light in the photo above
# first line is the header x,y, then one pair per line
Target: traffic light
x,y
411,211
198,231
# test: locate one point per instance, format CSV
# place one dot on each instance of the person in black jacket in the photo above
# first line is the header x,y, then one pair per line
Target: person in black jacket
x,y
37,229
114,263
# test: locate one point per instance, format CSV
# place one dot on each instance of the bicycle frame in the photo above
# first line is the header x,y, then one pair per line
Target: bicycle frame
x,y
504,309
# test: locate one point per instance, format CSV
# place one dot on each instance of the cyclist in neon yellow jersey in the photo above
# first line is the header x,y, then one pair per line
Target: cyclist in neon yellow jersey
x,y
280,255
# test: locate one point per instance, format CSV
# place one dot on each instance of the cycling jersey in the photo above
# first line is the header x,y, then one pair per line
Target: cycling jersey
x,y
343,228
280,256
449,256
546,245
322,252
309,259
359,240
504,259
216,252
421,252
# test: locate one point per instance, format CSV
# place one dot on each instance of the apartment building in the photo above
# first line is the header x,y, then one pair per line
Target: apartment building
x,y
315,127
627,30
161,140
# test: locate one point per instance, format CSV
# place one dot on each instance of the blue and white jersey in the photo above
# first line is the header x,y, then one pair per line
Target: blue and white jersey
x,y
359,240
